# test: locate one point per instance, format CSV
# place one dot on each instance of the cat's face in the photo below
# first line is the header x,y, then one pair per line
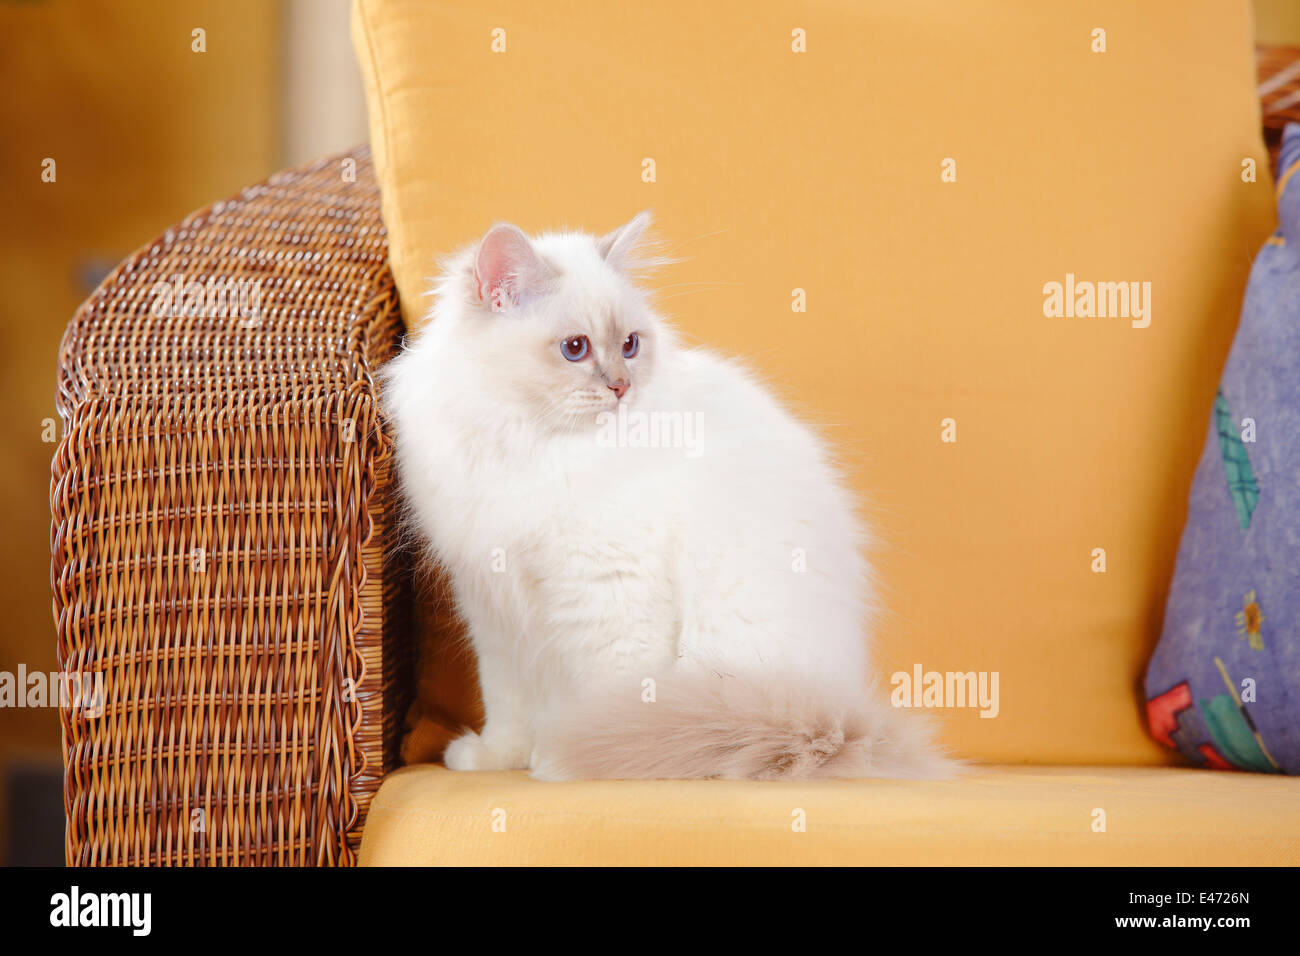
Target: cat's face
x,y
559,327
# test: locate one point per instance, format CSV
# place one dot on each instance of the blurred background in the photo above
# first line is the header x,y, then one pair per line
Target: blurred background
x,y
146,120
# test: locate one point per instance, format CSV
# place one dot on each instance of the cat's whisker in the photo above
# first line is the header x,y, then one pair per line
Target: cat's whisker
x,y
716,282
704,235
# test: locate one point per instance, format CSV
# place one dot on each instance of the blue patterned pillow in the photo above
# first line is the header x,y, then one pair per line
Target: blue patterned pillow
x,y
1223,686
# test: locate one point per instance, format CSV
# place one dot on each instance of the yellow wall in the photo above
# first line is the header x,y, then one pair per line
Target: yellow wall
x,y
1278,22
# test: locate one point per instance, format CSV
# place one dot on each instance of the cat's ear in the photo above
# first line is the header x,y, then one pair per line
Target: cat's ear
x,y
616,247
507,269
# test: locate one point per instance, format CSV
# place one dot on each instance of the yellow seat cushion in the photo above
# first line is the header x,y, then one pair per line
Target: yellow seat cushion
x,y
777,171
429,815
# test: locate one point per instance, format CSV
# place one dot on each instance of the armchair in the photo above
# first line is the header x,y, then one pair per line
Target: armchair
x,y
223,528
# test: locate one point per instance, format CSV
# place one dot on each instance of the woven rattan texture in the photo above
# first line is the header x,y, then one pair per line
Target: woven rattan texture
x,y
221,521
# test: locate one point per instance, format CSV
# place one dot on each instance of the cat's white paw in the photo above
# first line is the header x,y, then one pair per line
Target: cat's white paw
x,y
462,753
474,752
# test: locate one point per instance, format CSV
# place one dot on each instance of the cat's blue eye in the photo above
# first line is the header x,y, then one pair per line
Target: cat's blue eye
x,y
575,348
631,345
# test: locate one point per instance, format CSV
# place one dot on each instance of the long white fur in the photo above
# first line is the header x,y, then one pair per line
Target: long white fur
x,y
635,611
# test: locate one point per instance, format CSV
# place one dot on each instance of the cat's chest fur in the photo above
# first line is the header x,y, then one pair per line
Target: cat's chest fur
x,y
570,548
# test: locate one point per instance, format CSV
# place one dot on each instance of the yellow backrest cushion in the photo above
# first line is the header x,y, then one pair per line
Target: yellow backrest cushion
x,y
823,171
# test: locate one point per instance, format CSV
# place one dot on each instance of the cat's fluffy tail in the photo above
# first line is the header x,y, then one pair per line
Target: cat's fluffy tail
x,y
703,725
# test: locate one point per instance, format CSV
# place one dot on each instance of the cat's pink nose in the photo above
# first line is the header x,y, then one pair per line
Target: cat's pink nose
x,y
620,387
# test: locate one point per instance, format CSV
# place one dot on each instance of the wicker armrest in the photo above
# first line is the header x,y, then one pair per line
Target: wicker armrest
x,y
220,533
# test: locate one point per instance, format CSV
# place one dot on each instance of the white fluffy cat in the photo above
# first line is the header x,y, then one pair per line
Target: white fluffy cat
x,y
660,568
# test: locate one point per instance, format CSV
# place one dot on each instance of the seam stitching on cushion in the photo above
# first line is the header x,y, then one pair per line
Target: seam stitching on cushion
x,y
730,823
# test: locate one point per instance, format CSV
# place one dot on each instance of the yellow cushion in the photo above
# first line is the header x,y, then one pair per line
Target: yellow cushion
x,y
778,170
995,815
